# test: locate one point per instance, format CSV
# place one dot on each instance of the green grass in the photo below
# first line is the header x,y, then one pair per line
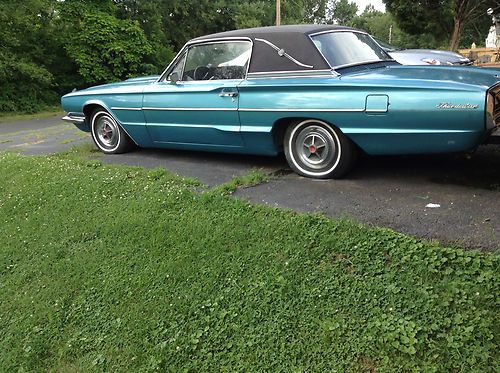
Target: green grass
x,y
113,268
50,112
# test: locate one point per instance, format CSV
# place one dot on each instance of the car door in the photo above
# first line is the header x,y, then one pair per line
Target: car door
x,y
197,104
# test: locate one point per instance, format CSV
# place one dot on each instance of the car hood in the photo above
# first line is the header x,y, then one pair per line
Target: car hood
x,y
130,86
444,77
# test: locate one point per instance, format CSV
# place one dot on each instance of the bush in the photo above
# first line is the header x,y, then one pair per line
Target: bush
x,y
108,49
26,87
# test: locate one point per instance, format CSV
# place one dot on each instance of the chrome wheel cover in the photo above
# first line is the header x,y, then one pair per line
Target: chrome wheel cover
x,y
106,132
315,147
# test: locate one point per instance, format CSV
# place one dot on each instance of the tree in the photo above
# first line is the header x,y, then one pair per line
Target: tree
x,y
48,47
25,78
447,18
380,24
107,49
341,11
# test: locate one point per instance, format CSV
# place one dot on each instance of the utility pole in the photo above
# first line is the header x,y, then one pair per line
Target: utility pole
x,y
278,12
390,34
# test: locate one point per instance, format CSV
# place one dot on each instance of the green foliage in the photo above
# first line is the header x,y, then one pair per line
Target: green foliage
x,y
447,20
342,11
379,25
255,177
26,83
36,89
107,49
49,47
106,268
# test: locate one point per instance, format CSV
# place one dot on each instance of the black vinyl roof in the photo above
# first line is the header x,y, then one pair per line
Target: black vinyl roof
x,y
293,40
287,29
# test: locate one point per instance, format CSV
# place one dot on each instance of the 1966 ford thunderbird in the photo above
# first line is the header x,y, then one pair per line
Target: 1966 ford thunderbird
x,y
319,93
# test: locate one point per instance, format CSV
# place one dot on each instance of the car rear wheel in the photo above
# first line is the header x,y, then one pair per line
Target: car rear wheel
x,y
107,134
316,149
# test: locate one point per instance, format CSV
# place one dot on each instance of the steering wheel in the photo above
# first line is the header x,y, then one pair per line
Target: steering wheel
x,y
201,73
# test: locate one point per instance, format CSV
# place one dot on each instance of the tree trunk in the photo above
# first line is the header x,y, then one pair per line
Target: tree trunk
x,y
455,36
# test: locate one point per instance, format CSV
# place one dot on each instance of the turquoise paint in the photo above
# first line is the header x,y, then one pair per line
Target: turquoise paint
x,y
213,120
353,102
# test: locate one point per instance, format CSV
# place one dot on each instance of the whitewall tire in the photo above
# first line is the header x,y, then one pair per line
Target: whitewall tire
x,y
316,149
107,134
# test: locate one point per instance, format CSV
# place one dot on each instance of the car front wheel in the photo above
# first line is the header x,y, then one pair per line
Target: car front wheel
x,y
108,136
316,149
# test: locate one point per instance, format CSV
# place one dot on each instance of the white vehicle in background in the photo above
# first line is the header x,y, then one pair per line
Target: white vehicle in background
x,y
424,56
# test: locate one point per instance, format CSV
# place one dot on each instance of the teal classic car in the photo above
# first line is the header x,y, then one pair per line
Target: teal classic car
x,y
319,93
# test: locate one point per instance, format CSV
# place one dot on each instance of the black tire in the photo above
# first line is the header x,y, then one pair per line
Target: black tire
x,y
108,135
316,149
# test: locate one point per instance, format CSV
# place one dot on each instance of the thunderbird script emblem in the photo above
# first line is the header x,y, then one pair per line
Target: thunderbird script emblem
x,y
447,105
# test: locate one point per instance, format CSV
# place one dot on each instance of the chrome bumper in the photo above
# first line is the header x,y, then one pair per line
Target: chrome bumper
x,y
75,118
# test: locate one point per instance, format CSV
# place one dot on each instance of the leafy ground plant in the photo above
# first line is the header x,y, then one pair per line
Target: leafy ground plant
x,y
112,268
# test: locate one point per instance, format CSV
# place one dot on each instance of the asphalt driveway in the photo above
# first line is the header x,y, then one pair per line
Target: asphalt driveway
x,y
453,199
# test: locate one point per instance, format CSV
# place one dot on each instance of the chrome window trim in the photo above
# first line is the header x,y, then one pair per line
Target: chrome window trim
x,y
323,73
351,64
360,63
191,44
210,40
291,76
277,49
171,64
290,72
341,30
207,82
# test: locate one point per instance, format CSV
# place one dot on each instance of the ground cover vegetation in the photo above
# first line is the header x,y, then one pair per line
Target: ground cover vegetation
x,y
49,47
115,268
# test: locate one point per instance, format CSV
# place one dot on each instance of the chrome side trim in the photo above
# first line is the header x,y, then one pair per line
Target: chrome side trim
x,y
304,110
183,125
248,109
282,53
188,109
258,129
127,108
382,131
196,145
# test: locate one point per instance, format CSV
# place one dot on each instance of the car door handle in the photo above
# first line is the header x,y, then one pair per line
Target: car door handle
x,y
228,94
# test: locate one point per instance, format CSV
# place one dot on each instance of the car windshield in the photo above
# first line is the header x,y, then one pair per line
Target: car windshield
x,y
387,47
349,48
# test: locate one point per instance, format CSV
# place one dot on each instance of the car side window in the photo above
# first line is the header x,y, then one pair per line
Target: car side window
x,y
179,66
215,61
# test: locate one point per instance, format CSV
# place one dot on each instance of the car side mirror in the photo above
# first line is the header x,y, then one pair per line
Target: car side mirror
x,y
174,78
